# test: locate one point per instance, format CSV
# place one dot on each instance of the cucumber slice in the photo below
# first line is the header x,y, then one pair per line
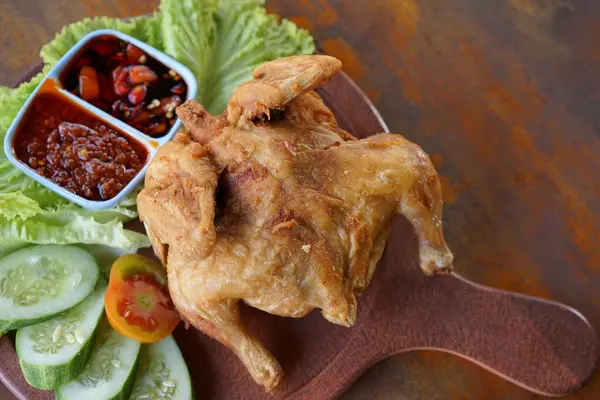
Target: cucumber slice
x,y
54,352
162,373
110,371
39,282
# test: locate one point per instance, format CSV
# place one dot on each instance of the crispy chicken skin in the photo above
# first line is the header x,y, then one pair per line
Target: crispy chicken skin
x,y
272,204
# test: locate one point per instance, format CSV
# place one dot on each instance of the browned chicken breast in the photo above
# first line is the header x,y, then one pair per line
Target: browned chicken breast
x,y
272,204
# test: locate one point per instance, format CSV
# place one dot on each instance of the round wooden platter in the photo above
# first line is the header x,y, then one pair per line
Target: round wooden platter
x,y
543,346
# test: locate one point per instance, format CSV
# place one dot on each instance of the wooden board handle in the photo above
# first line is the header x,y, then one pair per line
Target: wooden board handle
x,y
543,346
546,346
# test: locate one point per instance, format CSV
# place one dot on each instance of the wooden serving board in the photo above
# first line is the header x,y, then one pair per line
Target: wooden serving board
x,y
543,346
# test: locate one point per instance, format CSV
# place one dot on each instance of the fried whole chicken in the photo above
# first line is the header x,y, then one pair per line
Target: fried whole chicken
x,y
271,203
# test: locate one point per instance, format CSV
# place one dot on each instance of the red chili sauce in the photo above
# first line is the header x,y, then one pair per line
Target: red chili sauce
x,y
127,83
74,149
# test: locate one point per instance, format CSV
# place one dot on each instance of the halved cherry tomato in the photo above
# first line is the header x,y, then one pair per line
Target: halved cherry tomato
x,y
137,300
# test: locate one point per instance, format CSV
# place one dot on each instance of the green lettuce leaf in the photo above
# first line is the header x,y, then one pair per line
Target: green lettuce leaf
x,y
71,224
17,205
64,224
152,30
223,41
188,28
246,37
4,91
12,180
80,229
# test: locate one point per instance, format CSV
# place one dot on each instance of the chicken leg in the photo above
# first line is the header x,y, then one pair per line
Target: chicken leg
x,y
181,235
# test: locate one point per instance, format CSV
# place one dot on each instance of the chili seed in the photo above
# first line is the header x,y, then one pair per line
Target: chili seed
x,y
153,104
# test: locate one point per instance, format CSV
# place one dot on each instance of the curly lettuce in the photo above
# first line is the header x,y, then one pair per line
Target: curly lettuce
x,y
221,41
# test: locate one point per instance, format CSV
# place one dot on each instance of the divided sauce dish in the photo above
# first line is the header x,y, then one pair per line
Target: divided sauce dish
x,y
135,117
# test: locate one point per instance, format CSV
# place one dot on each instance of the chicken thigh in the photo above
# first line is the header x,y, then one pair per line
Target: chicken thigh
x,y
271,203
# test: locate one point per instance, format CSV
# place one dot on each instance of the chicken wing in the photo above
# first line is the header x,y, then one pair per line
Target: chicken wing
x,y
271,203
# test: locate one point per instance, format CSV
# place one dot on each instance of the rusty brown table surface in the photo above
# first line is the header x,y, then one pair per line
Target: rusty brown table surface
x,y
504,95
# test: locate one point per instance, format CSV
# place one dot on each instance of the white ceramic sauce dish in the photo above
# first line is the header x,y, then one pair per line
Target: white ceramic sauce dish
x,y
148,142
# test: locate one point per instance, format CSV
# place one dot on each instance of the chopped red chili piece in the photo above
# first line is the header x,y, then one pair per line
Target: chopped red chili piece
x,y
179,88
137,94
134,55
141,74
